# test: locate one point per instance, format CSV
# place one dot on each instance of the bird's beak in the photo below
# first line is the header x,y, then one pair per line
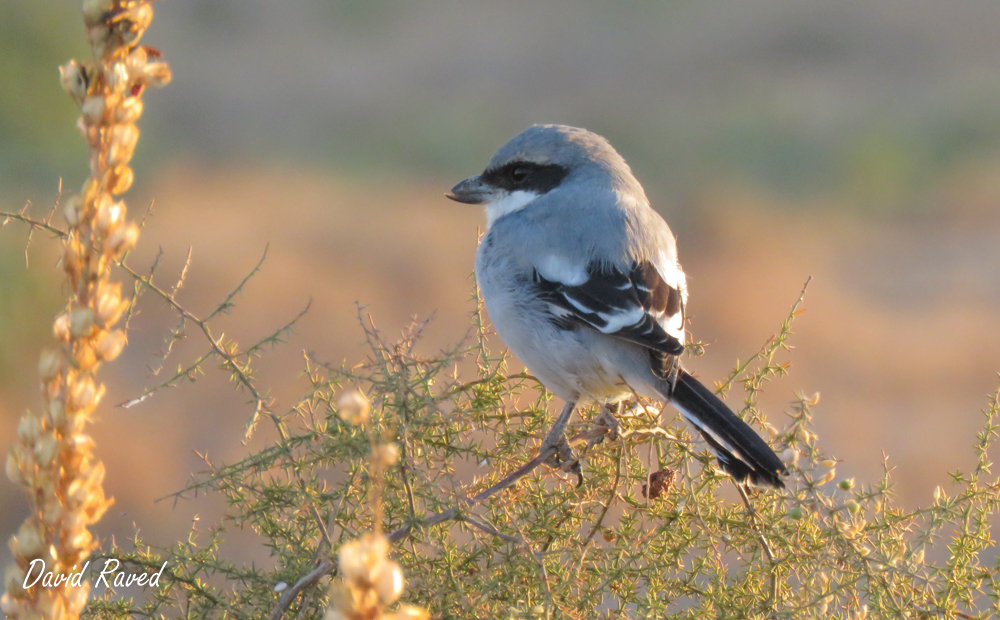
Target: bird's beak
x,y
472,191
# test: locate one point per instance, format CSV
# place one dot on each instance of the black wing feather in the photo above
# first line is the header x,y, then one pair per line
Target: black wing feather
x,y
607,294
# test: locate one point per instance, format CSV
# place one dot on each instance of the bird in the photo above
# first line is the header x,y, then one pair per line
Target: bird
x,y
581,280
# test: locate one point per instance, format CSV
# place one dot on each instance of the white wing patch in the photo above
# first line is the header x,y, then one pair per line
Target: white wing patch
x,y
513,201
618,320
555,268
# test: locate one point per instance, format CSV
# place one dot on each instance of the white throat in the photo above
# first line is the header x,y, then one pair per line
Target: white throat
x,y
514,201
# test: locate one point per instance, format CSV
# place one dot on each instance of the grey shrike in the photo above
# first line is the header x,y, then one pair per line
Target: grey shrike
x,y
581,280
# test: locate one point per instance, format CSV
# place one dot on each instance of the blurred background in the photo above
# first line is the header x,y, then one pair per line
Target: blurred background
x,y
852,141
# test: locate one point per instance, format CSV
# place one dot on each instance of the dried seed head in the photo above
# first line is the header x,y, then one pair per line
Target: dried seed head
x,y
83,395
110,345
57,413
46,448
110,216
388,582
353,407
157,74
130,25
81,322
73,209
76,540
121,144
829,463
93,109
128,111
28,429
14,580
96,11
384,455
30,540
116,76
830,475
9,606
411,612
120,178
123,239
84,357
110,304
51,604
13,467
136,61
74,80
50,363
361,560
61,327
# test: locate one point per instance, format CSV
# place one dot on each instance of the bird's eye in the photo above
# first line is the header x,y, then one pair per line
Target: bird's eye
x,y
520,174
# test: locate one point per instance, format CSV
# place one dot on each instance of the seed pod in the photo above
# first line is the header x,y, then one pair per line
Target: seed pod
x,y
130,25
46,448
57,413
116,76
120,179
412,612
73,209
123,239
95,11
157,74
81,322
61,327
110,216
353,407
110,345
28,429
50,363
84,357
121,145
136,61
9,606
385,454
14,580
110,304
388,583
13,468
93,110
74,80
82,395
128,111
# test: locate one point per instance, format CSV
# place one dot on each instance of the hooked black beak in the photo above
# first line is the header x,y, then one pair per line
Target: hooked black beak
x,y
472,191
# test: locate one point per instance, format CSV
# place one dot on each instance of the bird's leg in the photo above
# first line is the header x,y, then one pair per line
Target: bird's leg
x,y
563,457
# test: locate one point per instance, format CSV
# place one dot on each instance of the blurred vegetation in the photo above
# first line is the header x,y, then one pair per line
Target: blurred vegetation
x,y
826,547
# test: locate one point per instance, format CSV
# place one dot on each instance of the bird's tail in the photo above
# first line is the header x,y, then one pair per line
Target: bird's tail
x,y
741,452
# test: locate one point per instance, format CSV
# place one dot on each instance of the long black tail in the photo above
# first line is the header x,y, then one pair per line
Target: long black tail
x,y
741,452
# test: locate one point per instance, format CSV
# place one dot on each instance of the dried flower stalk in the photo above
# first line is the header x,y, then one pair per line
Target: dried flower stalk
x,y
53,458
368,581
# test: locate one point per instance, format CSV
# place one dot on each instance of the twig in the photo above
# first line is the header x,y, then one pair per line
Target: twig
x,y
611,498
286,598
764,543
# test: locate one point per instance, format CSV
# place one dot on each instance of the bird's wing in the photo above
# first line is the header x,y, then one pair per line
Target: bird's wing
x,y
638,305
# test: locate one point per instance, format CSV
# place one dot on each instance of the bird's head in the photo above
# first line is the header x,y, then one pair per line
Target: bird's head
x,y
537,161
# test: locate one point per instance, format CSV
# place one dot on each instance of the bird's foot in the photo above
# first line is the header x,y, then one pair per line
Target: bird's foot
x,y
563,459
606,419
